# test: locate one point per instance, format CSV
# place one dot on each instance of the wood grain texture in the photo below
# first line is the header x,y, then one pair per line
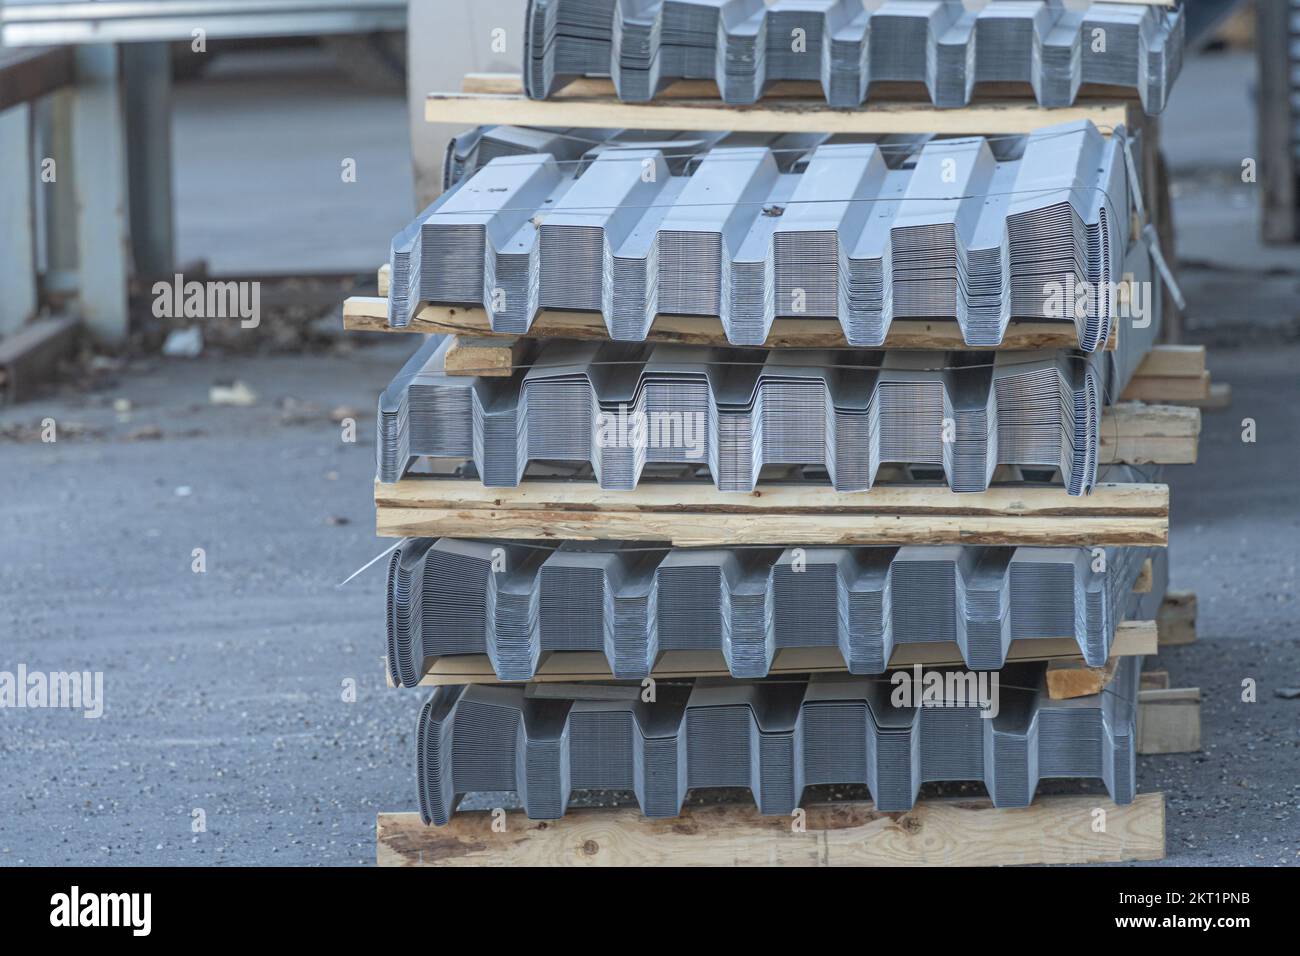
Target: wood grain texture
x,y
1068,679
370,314
1108,499
1132,639
769,115
952,832
486,358
695,514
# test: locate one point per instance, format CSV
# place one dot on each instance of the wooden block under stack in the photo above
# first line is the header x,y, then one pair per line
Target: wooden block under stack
x,y
493,358
1177,619
1070,679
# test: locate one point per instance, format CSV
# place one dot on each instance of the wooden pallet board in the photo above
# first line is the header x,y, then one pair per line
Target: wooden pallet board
x,y
1132,638
1176,620
370,314
695,514
1169,720
488,358
946,832
590,104
1068,679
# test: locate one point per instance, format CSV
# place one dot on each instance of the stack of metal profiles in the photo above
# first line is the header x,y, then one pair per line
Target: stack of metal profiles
x,y
971,230
621,407
773,738
471,151
633,602
745,45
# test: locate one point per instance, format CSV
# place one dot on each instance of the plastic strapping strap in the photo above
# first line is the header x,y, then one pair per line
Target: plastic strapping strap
x,y
1158,257
1133,179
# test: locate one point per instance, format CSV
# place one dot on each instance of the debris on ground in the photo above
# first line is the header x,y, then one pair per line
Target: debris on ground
x,y
232,393
183,343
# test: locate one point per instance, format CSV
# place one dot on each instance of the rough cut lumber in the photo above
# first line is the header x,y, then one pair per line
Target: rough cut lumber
x,y
949,832
1172,361
1177,619
1136,433
495,358
383,279
1132,639
1067,679
370,314
1169,721
1165,388
998,117
695,514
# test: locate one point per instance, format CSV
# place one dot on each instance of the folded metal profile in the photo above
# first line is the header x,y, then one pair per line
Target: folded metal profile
x,y
746,45
972,230
515,603
775,739
622,408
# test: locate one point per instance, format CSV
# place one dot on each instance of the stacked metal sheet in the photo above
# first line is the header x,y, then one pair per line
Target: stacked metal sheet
x,y
745,45
971,230
631,602
620,408
775,739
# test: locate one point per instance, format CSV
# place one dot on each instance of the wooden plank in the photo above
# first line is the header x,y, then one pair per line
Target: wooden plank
x,y
1139,434
1132,639
28,73
1168,389
695,514
1169,721
668,497
1220,397
732,530
493,358
1172,361
370,314
1068,679
1144,581
769,116
1176,620
951,832
382,280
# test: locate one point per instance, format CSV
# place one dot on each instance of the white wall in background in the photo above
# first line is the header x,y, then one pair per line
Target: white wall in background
x,y
445,40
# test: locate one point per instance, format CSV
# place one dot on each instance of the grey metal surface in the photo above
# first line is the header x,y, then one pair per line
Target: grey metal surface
x,y
745,45
973,230
623,407
39,22
773,738
631,602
